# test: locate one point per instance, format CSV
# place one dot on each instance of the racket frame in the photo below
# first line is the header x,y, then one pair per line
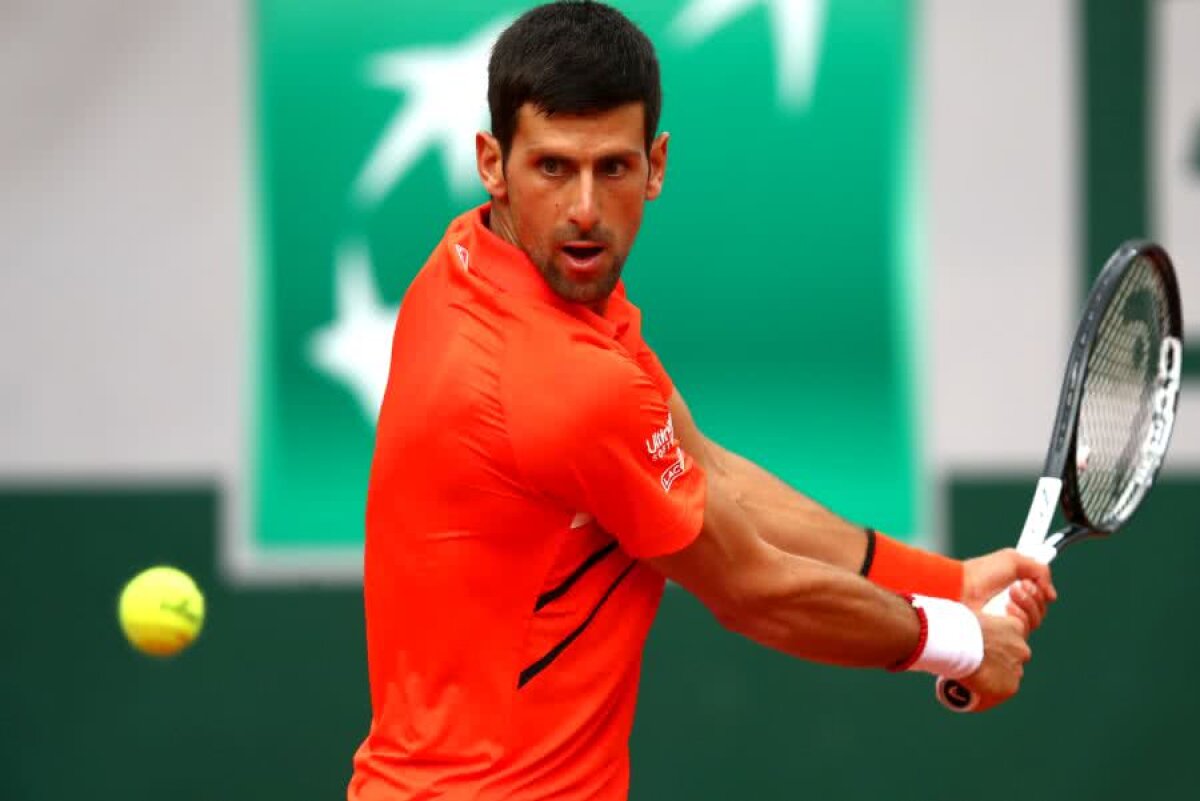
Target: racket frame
x,y
1060,456
1059,483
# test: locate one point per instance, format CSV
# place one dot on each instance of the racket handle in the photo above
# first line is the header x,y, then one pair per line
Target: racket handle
x,y
953,694
998,605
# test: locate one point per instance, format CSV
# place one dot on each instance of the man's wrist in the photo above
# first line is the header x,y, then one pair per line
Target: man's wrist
x,y
950,642
904,569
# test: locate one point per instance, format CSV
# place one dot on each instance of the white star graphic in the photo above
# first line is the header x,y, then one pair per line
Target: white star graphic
x,y
445,91
796,26
355,349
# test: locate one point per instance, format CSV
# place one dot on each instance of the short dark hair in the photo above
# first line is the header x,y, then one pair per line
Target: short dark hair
x,y
571,57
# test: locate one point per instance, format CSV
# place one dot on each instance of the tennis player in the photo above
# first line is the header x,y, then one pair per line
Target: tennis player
x,y
537,477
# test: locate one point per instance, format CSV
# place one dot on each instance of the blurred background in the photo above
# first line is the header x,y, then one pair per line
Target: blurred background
x,y
879,222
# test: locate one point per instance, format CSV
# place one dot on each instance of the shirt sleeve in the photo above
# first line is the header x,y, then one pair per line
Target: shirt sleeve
x,y
645,357
648,361
602,441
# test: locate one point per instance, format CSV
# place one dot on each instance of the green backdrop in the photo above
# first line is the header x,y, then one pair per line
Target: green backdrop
x,y
774,273
272,701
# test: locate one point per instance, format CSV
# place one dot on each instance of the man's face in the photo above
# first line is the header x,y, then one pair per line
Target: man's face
x,y
572,191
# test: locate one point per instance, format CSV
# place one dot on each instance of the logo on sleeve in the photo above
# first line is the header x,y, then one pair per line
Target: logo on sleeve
x,y
662,442
677,469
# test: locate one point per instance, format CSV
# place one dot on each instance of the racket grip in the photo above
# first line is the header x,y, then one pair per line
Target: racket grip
x,y
998,605
953,694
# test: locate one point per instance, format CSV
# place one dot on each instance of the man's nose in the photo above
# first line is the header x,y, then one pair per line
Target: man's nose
x,y
583,211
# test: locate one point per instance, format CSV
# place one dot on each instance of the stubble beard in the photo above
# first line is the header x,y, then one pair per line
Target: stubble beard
x,y
592,291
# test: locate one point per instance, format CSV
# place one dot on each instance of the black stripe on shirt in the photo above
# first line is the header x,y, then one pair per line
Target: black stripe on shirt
x,y
561,589
540,665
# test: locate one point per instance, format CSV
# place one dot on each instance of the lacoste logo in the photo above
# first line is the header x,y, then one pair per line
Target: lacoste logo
x,y
677,469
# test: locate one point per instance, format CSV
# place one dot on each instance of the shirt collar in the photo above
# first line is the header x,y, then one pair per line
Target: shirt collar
x,y
506,266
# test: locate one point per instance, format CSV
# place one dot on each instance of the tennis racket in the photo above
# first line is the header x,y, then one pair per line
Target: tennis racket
x,y
1115,415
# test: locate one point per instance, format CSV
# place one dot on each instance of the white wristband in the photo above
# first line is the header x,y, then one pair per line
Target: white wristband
x,y
954,641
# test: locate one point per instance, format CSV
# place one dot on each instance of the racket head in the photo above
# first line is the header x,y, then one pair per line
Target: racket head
x,y
1120,391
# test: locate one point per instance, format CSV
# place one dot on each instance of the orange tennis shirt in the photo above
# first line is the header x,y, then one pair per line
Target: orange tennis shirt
x,y
525,461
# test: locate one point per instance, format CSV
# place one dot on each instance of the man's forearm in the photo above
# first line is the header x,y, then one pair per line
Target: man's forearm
x,y
818,613
807,607
785,517
800,606
799,525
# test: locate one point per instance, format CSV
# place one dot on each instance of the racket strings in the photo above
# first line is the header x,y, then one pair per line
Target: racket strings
x,y
1119,393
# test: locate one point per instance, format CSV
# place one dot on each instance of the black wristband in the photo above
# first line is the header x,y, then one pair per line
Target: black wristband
x,y
869,557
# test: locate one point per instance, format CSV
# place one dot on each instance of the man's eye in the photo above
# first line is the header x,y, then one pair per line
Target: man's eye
x,y
613,168
551,166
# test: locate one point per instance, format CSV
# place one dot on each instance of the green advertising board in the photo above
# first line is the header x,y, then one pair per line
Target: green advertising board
x,y
774,273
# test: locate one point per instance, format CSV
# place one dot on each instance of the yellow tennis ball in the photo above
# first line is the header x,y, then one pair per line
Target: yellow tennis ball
x,y
161,611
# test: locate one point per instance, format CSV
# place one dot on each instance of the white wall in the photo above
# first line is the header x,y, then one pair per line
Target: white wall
x,y
124,285
123,145
1000,135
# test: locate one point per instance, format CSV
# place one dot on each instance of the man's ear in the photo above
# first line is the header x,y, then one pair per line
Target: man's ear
x,y
658,165
490,162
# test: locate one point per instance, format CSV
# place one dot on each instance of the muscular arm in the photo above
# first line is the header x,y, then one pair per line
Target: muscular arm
x,y
782,516
755,565
798,525
791,603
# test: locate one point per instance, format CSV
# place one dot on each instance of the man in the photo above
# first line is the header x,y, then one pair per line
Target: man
x,y
537,477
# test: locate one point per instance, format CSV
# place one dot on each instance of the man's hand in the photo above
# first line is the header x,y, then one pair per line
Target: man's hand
x,y
1005,653
987,576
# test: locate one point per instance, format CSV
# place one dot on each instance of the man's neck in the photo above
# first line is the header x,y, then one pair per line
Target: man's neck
x,y
500,223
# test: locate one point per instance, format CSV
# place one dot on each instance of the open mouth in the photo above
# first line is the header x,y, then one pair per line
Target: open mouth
x,y
583,251
583,258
